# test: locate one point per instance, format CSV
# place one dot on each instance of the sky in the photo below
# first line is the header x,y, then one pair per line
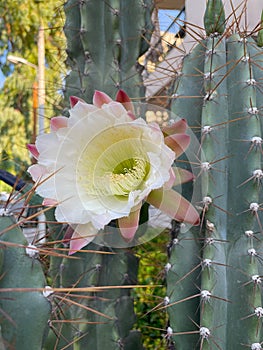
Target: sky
x,y
2,79
166,17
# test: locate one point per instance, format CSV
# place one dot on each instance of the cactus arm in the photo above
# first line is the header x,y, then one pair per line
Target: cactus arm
x,y
214,18
213,172
109,38
117,269
243,106
183,270
187,92
260,33
230,159
29,311
131,44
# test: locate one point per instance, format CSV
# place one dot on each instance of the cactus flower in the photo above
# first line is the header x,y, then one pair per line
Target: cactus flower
x,y
102,163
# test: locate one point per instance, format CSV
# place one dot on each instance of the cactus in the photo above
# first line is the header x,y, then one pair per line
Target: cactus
x,y
24,309
104,41
215,272
95,319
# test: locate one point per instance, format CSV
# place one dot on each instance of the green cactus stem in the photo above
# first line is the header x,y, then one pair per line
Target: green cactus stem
x,y
214,276
105,40
24,314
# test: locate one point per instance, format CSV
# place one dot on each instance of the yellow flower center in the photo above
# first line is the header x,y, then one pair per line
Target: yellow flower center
x,y
128,176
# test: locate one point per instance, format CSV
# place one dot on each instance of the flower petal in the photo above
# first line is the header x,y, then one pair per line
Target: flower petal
x,y
131,115
169,184
178,143
74,100
128,225
174,205
83,235
58,123
49,202
37,171
33,150
100,98
176,128
124,99
182,176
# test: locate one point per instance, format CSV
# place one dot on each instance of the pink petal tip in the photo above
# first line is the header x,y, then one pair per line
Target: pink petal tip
x,y
129,224
48,202
58,123
123,98
100,98
33,150
74,100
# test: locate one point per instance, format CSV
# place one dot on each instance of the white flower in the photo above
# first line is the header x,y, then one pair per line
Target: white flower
x,y
100,164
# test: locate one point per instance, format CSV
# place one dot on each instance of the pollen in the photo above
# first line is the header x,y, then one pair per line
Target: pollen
x,y
128,176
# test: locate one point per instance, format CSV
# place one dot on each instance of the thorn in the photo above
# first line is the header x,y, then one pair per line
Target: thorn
x,y
257,176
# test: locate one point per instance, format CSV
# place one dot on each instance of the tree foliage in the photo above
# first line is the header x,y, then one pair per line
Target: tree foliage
x,y
19,25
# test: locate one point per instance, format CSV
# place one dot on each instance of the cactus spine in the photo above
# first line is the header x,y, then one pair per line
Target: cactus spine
x,y
215,288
